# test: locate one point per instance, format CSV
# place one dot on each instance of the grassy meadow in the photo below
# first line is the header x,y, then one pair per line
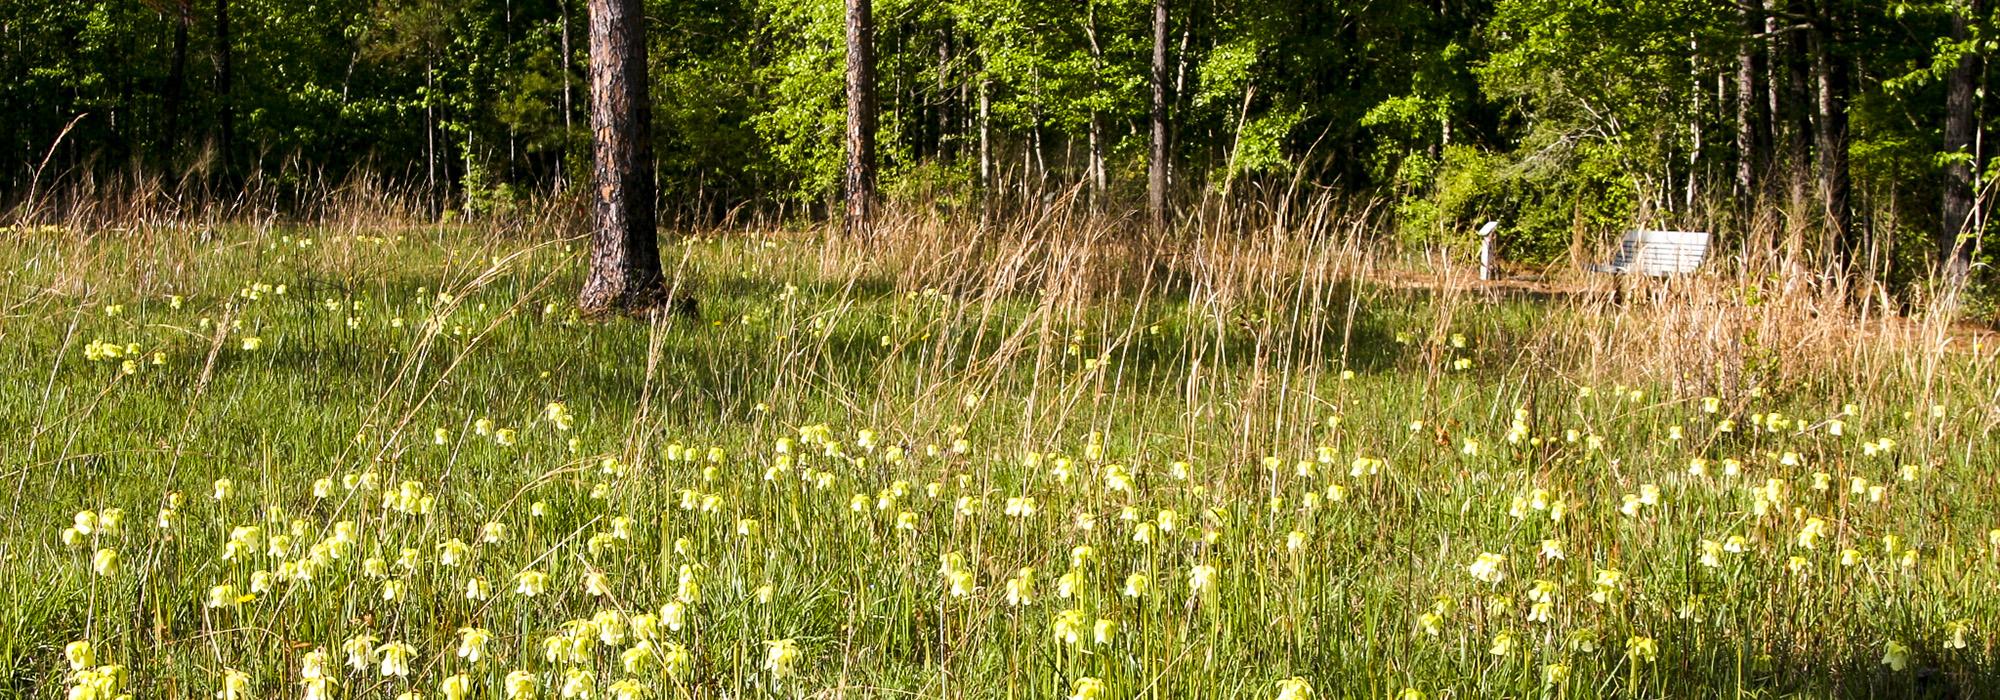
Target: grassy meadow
x,y
265,461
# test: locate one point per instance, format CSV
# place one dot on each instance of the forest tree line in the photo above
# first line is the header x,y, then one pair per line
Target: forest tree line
x,y
1553,116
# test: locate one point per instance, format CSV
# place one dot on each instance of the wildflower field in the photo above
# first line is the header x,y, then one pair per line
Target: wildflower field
x,y
267,462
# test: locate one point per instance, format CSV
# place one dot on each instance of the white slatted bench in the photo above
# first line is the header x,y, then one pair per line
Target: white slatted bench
x,y
1657,253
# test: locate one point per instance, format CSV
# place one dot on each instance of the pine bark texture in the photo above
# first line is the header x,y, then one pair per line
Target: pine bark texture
x,y
224,75
1156,166
1836,183
1752,141
624,272
1960,139
860,176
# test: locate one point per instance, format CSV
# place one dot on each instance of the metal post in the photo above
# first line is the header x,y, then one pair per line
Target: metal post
x,y
1487,258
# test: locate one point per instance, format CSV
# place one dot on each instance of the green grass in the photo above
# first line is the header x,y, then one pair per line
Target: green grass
x,y
1244,413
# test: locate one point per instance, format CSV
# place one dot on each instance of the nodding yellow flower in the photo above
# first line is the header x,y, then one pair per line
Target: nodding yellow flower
x,y
1086,688
1103,631
1143,534
1295,541
1294,688
452,552
521,685
1641,649
225,596
780,655
531,583
1200,578
456,686
1850,557
1552,550
392,590
1137,587
105,562
577,683
1488,568
1957,631
1555,674
674,613
80,655
1430,622
396,658
504,436
1021,588
1069,627
360,651
747,528
1895,656
235,685
313,664
1711,553
1411,694
477,588
252,342
1810,534
224,488
961,583
1583,640
689,588
1503,643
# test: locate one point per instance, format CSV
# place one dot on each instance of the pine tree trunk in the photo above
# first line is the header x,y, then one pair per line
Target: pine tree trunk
x,y
1156,167
1751,142
985,136
624,270
942,143
224,70
1098,180
1830,77
1956,231
860,179
176,91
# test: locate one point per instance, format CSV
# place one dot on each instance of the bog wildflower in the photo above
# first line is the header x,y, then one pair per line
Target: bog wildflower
x,y
456,686
1200,578
531,583
1069,627
780,655
520,685
1641,649
1487,568
1895,655
396,658
472,643
1294,688
1086,688
105,562
1555,674
235,685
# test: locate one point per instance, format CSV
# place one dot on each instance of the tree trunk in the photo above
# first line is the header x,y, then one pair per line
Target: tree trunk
x,y
625,270
1830,77
942,144
176,91
1751,142
985,136
860,179
1098,180
1156,167
1956,231
224,69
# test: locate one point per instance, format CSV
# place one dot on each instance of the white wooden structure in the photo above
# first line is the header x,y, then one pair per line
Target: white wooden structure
x,y
1658,253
